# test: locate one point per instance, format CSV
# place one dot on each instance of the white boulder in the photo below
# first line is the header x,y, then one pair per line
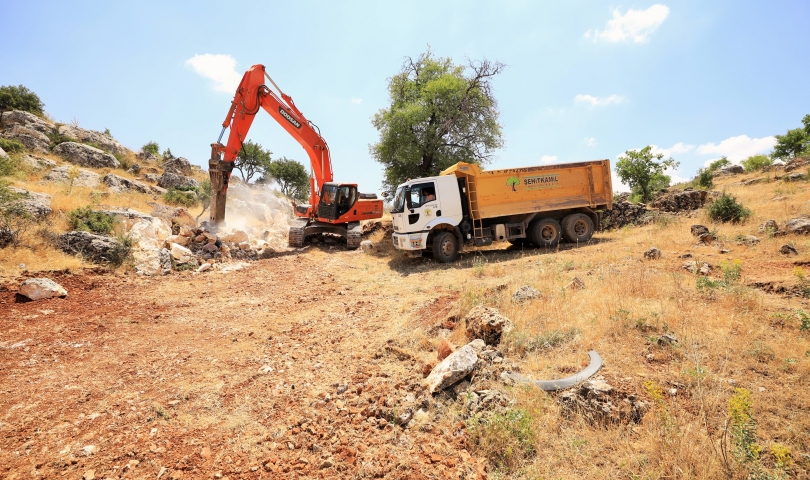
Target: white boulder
x,y
41,288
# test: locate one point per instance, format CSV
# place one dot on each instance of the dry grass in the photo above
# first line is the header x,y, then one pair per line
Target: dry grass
x,y
730,336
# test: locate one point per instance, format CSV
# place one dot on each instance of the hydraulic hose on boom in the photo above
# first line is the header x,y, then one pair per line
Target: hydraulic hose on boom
x,y
333,208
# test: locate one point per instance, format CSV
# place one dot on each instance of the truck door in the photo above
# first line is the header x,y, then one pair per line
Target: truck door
x,y
423,205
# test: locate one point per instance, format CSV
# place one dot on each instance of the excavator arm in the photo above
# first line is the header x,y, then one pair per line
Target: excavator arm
x,y
252,95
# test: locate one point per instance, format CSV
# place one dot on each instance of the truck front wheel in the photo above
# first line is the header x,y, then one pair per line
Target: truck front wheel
x,y
577,228
545,233
445,247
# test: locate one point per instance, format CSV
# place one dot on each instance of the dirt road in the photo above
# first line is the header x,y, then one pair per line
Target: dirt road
x,y
278,370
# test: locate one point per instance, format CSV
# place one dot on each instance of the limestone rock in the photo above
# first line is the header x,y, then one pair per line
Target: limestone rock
x,y
106,142
178,166
456,366
181,253
788,250
3,153
41,288
750,240
37,204
652,254
366,246
158,190
524,293
37,162
181,218
698,230
575,284
237,236
33,140
151,177
152,261
729,170
799,226
25,119
770,227
680,201
86,178
624,213
148,232
599,403
700,268
119,184
178,239
85,155
172,180
487,324
97,248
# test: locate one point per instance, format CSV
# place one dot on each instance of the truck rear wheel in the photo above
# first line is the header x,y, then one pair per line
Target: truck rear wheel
x,y
577,228
545,233
445,247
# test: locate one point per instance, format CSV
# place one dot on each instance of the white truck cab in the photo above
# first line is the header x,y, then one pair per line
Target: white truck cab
x,y
424,206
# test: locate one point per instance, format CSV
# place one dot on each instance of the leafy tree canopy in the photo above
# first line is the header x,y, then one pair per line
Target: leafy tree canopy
x,y
718,164
20,98
252,160
440,114
291,176
643,171
794,143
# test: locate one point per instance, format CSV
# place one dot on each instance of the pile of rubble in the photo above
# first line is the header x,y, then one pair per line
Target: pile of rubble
x,y
680,201
624,213
599,403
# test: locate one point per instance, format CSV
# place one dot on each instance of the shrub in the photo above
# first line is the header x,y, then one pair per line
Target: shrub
x,y
704,179
14,220
86,219
181,196
167,154
11,146
122,252
125,159
755,163
7,166
728,209
20,98
56,138
151,148
506,439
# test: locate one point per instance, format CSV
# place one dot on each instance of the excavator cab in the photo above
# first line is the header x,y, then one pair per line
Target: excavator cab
x,y
336,200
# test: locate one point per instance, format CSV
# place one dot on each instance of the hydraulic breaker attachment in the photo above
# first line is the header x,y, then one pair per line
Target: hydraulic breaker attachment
x,y
220,173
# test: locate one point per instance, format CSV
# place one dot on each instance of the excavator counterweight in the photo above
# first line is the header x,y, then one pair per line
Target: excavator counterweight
x,y
335,208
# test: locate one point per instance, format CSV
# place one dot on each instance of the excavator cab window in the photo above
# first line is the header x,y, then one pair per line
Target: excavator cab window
x,y
347,195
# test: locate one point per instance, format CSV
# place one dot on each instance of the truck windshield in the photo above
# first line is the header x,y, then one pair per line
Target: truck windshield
x,y
399,201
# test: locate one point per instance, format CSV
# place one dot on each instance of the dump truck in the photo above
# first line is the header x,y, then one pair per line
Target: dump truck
x,y
465,207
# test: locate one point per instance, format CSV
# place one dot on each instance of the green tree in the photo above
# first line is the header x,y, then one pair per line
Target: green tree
x,y
151,148
252,160
718,164
793,143
440,114
756,162
291,177
20,98
643,171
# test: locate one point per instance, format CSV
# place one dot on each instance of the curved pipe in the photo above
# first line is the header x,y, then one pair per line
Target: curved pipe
x,y
559,384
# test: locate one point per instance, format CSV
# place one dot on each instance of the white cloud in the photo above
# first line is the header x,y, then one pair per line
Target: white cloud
x,y
599,102
357,100
679,147
635,25
219,68
546,159
738,148
590,142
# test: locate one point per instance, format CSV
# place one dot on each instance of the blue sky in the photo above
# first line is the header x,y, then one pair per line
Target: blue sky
x,y
585,79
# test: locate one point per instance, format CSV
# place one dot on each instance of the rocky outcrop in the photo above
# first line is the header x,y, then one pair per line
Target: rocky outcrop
x,y
37,162
36,204
86,178
799,226
487,324
524,293
105,142
679,201
173,180
85,155
119,184
41,288
96,248
178,166
652,254
24,119
33,140
728,171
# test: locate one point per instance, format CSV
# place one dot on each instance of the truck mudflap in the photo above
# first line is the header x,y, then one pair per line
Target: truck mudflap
x,y
554,385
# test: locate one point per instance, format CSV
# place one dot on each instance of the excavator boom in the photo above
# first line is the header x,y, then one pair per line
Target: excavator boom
x,y
340,210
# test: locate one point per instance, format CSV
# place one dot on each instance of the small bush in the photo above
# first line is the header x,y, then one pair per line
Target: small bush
x,y
151,148
125,159
11,146
56,138
178,196
20,98
8,166
728,209
506,439
718,164
704,179
122,252
86,219
755,163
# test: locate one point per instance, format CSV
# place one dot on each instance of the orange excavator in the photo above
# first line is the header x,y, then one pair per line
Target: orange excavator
x,y
334,208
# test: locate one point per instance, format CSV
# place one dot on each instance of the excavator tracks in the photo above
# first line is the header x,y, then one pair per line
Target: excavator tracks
x,y
301,229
